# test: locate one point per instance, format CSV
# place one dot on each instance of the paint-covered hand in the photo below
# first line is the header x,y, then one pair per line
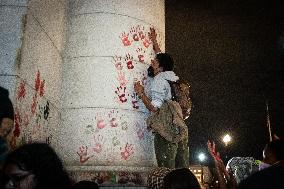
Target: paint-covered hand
x,y
153,35
138,88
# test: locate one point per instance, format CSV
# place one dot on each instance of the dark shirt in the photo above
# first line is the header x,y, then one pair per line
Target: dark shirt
x,y
3,150
269,178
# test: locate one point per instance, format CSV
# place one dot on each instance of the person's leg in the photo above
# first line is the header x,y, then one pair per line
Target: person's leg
x,y
182,156
165,152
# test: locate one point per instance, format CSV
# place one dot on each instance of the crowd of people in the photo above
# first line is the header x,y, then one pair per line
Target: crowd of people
x,y
37,166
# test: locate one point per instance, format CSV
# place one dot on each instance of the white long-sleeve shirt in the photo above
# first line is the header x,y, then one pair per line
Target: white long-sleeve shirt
x,y
160,90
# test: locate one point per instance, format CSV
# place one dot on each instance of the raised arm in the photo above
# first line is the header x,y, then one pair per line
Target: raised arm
x,y
153,37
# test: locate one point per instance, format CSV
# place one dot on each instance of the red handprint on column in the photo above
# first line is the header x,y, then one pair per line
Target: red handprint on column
x,y
83,154
140,30
128,150
121,94
133,32
141,54
129,61
121,79
100,124
98,147
146,42
141,131
124,39
117,63
134,101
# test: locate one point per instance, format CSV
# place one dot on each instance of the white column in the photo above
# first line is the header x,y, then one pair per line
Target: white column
x,y
103,127
11,30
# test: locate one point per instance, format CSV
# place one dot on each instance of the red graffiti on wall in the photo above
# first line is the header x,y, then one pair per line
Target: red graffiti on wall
x,y
98,147
121,79
83,154
41,89
21,93
134,101
133,32
141,54
121,94
127,152
129,61
100,124
124,39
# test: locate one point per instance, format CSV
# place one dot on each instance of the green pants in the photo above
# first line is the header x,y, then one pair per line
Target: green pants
x,y
171,155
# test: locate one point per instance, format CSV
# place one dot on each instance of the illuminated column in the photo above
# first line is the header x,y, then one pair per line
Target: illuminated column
x,y
12,17
103,125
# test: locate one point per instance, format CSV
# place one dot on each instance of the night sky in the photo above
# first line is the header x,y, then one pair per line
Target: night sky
x,y
230,52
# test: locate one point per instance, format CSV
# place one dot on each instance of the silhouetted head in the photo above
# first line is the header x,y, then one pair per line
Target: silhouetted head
x,y
181,179
35,166
273,151
85,184
6,107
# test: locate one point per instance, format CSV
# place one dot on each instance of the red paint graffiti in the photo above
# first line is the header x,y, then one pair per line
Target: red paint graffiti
x,y
124,39
121,94
128,151
41,89
83,154
21,90
37,81
129,61
34,104
100,124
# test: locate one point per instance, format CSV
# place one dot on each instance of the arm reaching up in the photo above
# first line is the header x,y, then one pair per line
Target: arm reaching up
x,y
153,37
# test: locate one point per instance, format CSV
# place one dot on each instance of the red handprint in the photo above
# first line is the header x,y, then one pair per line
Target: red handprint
x,y
100,124
83,154
117,63
121,94
141,131
128,150
146,42
121,79
133,32
124,39
98,147
129,61
113,122
134,101
140,30
141,54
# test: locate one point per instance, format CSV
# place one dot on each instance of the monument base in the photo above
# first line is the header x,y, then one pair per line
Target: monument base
x,y
112,177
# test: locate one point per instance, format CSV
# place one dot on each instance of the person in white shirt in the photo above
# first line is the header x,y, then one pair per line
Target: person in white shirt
x,y
168,153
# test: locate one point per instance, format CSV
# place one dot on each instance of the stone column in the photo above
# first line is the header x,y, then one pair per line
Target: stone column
x,y
12,19
103,124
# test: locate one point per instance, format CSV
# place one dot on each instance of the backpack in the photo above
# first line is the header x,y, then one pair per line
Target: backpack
x,y
180,93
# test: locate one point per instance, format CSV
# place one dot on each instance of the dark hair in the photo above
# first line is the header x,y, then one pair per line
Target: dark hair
x,y
43,162
6,107
85,184
165,61
181,179
276,147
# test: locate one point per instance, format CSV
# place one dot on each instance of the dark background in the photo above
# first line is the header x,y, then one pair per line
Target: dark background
x,y
230,52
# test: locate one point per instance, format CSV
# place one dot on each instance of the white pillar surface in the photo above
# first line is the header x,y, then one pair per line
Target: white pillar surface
x,y
12,14
102,123
31,57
